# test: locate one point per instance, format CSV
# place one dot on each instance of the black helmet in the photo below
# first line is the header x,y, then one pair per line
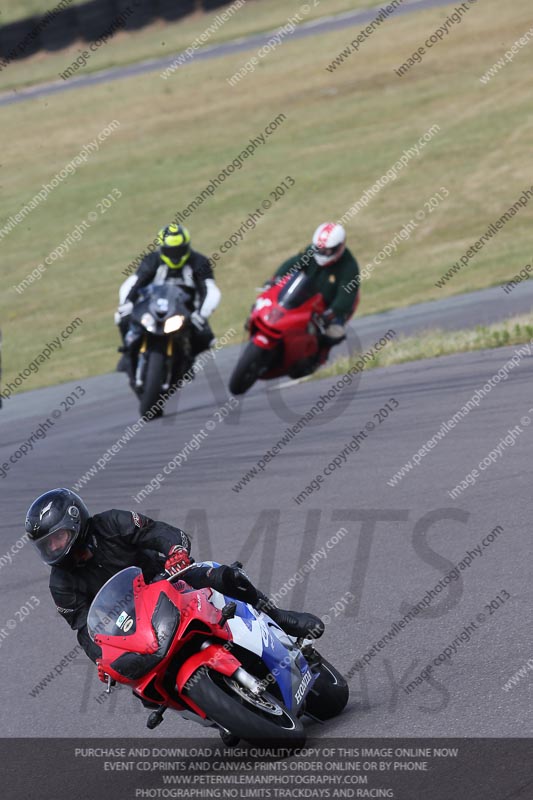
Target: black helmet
x,y
174,245
57,523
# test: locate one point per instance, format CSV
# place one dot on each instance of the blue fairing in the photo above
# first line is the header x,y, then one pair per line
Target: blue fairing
x,y
273,657
291,669
243,611
277,657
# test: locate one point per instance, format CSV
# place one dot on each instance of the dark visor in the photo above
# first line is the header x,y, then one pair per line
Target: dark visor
x,y
175,253
55,545
326,251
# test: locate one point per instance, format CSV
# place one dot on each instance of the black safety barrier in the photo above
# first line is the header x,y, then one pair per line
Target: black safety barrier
x,y
64,24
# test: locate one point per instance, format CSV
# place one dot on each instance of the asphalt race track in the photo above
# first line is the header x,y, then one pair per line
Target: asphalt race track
x,y
420,534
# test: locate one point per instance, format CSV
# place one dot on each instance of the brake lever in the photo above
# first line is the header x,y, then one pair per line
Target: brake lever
x,y
177,576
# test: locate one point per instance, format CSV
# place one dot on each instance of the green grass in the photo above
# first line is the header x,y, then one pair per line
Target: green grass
x,y
162,39
271,10
435,343
343,130
13,10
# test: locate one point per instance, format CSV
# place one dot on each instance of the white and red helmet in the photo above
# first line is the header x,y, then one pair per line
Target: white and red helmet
x,y
329,242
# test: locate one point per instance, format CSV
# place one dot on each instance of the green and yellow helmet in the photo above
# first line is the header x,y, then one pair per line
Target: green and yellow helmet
x,y
174,243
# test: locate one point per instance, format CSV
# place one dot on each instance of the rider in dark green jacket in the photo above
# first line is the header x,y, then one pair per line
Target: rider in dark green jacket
x,y
335,273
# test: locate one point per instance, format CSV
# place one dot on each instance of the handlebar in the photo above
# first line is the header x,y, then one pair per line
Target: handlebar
x,y
166,576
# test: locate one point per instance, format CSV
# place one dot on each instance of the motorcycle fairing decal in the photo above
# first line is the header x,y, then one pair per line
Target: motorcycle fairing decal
x,y
249,630
258,634
304,683
246,630
295,678
278,657
281,662
121,619
262,302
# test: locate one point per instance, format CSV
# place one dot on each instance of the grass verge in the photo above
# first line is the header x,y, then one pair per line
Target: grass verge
x,y
162,39
342,131
435,343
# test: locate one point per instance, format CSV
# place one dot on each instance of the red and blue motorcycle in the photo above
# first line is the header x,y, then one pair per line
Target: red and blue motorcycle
x,y
211,659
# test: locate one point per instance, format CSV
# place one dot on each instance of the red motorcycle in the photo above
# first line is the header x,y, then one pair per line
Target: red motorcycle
x,y
284,328
212,659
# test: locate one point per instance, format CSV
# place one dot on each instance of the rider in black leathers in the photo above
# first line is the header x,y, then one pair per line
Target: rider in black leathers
x,y
173,260
84,552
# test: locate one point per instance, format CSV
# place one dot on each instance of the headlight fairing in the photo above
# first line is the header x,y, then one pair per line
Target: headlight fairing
x,y
148,322
173,324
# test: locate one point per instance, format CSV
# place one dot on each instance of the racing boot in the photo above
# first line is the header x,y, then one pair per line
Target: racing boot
x,y
233,581
296,623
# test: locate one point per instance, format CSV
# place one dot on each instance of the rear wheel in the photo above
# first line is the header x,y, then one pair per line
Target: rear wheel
x,y
253,362
153,380
257,719
329,693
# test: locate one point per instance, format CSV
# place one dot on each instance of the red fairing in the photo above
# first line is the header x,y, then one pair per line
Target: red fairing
x,y
197,618
291,329
214,657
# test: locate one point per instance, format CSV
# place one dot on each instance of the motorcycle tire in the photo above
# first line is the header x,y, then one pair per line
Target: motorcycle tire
x,y
251,364
329,693
263,721
153,381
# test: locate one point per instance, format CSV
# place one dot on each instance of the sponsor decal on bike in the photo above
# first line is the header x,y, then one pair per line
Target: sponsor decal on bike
x,y
261,302
306,680
264,633
124,621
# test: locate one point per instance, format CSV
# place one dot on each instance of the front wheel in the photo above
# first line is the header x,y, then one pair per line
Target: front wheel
x,y
329,693
253,362
257,719
153,380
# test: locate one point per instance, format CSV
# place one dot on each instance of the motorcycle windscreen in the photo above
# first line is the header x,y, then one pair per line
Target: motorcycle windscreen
x,y
162,301
112,611
297,291
169,297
